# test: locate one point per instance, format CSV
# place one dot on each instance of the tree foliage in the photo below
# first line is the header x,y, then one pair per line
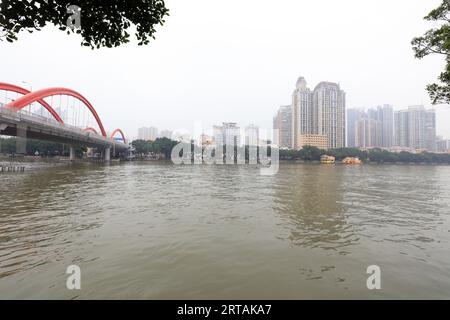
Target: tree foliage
x,y
160,145
8,146
103,23
437,41
308,153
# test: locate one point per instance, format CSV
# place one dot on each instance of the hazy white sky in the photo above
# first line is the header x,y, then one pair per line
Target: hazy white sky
x,y
238,60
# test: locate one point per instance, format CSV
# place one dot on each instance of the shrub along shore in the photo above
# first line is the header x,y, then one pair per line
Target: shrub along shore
x,y
374,155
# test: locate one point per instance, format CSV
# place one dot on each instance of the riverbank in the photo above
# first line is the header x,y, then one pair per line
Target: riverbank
x,y
366,163
366,156
5,160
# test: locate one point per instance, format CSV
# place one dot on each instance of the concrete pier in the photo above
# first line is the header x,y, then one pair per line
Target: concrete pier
x,y
107,154
72,154
12,168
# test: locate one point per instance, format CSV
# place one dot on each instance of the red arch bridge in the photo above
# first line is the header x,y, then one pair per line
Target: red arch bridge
x,y
50,121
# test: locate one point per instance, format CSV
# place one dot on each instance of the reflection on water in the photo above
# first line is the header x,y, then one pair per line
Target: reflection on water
x,y
155,230
312,197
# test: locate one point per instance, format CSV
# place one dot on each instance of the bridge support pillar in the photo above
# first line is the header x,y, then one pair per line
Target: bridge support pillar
x,y
107,154
72,154
21,142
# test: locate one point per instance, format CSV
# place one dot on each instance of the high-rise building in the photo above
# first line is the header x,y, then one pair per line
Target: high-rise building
x,y
148,133
329,101
387,125
385,115
283,123
251,135
353,115
368,133
320,112
302,112
371,134
430,130
415,128
227,134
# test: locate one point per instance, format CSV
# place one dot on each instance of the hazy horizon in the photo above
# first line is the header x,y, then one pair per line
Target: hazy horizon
x,y
238,61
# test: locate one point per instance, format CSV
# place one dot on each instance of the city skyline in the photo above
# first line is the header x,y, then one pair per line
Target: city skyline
x,y
173,90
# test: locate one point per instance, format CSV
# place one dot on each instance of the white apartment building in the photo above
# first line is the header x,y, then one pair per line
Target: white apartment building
x,y
415,128
320,112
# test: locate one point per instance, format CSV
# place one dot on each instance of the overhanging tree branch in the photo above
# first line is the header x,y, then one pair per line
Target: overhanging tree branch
x,y
437,41
103,23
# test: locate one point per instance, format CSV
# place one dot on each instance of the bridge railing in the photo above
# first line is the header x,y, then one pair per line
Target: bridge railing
x,y
40,120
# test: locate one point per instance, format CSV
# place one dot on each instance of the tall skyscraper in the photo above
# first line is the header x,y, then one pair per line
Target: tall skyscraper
x,y
329,101
353,115
387,125
415,128
302,112
368,133
318,112
378,133
430,130
283,122
385,115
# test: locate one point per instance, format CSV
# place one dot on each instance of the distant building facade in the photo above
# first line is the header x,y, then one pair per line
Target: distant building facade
x,y
443,145
313,140
283,123
415,128
150,133
227,134
368,133
251,135
371,129
385,116
353,115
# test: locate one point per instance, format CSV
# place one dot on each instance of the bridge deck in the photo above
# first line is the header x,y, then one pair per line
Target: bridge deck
x,y
42,128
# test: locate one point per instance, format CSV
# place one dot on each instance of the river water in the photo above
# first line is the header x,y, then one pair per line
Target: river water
x,y
155,230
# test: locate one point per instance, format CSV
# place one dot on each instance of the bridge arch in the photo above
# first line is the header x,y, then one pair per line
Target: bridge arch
x,y
90,129
17,89
121,133
44,93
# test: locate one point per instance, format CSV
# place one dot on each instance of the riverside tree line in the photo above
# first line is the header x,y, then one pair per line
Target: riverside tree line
x,y
309,153
164,146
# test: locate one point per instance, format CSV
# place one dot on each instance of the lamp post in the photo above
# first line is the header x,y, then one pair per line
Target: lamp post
x,y
31,90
